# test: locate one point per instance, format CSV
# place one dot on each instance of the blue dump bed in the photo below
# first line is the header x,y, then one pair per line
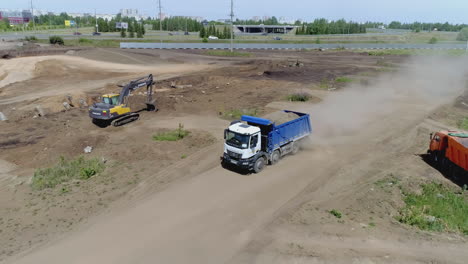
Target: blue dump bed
x,y
281,134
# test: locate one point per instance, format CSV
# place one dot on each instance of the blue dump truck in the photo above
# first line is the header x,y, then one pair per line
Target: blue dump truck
x,y
253,142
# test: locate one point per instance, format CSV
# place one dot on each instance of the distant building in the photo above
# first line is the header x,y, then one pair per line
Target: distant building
x,y
256,18
223,20
16,17
197,18
129,12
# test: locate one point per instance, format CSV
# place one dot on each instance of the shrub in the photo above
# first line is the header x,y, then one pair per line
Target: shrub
x,y
56,40
205,40
336,213
173,135
463,35
433,40
298,97
64,171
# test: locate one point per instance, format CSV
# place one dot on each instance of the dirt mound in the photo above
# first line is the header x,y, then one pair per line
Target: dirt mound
x,y
280,117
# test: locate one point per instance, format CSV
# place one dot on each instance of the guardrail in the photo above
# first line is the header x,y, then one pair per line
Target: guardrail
x,y
266,46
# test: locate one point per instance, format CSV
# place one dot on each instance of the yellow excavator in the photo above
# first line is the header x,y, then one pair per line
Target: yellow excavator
x,y
113,108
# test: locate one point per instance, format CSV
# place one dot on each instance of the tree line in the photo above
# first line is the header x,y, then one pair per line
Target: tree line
x,y
176,24
418,26
322,26
212,30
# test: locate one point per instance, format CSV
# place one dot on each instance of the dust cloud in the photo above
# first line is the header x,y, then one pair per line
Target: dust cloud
x,y
422,80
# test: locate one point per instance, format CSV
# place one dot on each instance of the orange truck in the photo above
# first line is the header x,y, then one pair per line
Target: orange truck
x,y
449,152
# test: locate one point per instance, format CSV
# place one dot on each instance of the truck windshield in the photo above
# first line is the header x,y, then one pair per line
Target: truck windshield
x,y
237,140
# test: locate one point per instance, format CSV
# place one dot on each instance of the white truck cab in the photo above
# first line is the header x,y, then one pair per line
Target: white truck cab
x,y
242,141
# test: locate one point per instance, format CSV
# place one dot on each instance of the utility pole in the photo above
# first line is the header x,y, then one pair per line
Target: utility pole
x,y
95,19
32,14
160,21
160,16
466,47
232,24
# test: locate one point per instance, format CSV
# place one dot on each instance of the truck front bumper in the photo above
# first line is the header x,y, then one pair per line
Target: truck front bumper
x,y
242,163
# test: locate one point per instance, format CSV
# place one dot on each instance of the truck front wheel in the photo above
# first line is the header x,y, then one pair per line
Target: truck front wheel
x,y
259,165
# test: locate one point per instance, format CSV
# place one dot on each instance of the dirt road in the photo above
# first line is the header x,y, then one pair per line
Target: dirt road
x,y
212,216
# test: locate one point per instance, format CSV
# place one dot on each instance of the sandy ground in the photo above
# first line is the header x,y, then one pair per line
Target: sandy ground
x,y
193,211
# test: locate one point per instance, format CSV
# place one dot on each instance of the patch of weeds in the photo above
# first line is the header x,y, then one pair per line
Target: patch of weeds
x,y
387,182
227,53
298,97
383,63
30,38
236,114
183,156
463,124
437,208
173,135
386,69
64,171
372,224
368,74
343,80
325,83
336,213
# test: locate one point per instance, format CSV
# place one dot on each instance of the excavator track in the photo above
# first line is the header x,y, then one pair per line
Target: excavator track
x,y
125,119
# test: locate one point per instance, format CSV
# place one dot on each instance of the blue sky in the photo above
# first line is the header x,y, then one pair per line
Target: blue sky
x,y
454,11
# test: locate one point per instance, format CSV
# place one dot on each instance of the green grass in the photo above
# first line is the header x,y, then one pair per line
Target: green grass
x,y
336,213
227,53
298,97
236,114
463,124
64,171
172,135
343,80
437,208
84,40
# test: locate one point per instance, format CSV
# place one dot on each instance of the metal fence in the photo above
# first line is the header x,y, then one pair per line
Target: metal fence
x,y
265,46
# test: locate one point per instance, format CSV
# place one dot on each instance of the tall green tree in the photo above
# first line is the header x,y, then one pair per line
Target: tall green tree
x,y
202,32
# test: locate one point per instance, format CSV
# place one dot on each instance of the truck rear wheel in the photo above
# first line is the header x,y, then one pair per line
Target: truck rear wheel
x,y
275,157
295,147
259,165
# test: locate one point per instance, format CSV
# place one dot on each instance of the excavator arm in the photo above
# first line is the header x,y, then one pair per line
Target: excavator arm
x,y
136,84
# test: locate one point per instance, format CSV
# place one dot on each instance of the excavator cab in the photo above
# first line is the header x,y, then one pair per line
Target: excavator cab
x,y
111,99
